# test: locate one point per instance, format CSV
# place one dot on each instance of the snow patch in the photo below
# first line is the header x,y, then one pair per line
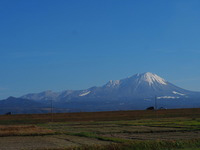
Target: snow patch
x,y
147,99
84,94
174,92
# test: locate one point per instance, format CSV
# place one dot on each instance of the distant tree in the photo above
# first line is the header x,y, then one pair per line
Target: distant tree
x,y
8,113
150,108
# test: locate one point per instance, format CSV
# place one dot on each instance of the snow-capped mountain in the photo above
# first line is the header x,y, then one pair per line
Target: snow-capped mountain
x,y
146,85
135,92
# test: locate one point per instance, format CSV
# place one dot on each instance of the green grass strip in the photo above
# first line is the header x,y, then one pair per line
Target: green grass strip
x,y
103,138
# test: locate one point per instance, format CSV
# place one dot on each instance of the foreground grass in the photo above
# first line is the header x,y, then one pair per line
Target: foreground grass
x,y
119,133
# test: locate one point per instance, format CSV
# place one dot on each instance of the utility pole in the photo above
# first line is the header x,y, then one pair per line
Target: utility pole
x,y
51,110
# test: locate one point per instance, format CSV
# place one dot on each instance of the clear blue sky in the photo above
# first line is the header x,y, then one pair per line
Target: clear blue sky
x,y
76,44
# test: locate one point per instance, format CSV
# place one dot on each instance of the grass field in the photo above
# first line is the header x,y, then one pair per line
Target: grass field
x,y
121,130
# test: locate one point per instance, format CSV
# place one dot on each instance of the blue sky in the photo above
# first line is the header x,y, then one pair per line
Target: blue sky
x,y
76,44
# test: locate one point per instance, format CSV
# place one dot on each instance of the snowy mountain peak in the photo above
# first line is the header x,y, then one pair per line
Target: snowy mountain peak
x,y
152,78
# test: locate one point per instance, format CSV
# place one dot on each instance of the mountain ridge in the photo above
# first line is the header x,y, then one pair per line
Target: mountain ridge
x,y
135,92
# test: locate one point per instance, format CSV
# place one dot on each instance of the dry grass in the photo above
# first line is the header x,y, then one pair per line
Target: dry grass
x,y
22,130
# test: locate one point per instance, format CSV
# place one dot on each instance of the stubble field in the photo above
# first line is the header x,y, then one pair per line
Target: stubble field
x,y
141,130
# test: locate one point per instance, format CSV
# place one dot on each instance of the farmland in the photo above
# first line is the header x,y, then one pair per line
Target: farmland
x,y
161,129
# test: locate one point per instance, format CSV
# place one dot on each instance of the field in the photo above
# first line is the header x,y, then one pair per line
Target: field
x,y
126,130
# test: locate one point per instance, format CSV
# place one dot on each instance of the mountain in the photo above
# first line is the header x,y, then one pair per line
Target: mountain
x,y
135,92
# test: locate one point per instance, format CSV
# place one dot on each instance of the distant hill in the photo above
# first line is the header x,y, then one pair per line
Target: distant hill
x,y
20,105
